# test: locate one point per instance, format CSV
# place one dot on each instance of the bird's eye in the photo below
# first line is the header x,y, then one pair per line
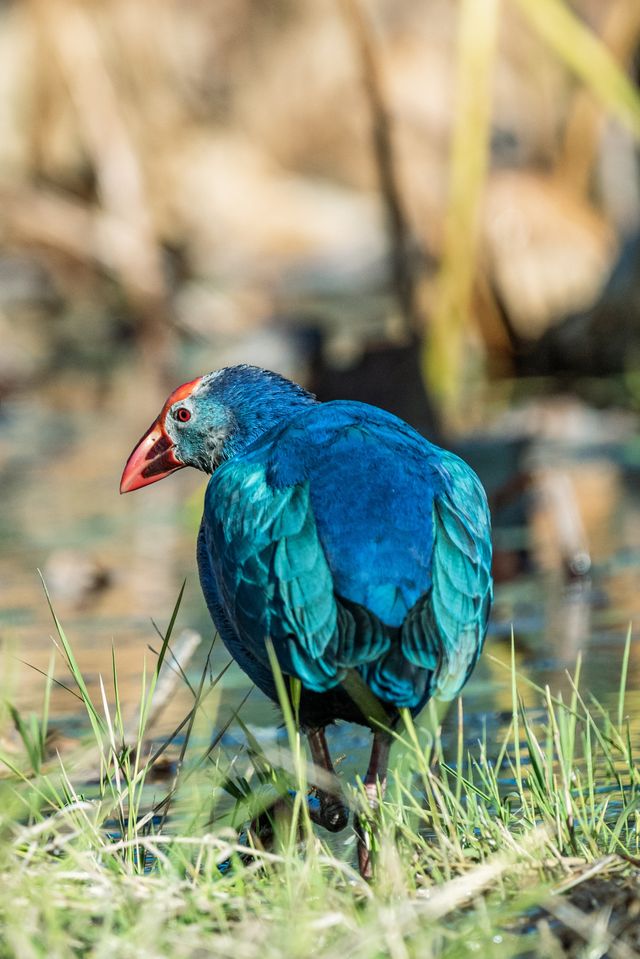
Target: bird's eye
x,y
183,414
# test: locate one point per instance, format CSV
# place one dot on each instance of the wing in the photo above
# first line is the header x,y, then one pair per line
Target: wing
x,y
271,580
444,632
330,536
272,576
257,669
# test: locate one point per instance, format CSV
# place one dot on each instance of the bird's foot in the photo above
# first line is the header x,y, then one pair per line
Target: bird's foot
x,y
366,823
366,838
264,827
328,811
325,810
326,805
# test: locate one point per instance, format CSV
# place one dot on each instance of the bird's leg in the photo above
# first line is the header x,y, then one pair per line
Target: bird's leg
x,y
331,811
375,783
326,808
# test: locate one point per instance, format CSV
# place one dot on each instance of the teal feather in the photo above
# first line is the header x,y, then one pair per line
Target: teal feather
x,y
447,634
351,543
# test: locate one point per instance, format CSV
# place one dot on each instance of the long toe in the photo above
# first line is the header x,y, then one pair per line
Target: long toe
x,y
331,813
265,825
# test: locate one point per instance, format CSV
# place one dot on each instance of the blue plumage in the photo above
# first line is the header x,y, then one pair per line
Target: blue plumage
x,y
333,530
351,542
338,533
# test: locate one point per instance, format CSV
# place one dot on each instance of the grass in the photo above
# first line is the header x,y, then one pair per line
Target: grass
x,y
488,848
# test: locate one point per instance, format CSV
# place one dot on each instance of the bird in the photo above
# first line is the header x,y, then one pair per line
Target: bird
x,y
339,540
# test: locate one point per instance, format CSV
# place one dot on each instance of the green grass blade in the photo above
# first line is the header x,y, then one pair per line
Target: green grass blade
x,y
444,352
76,672
582,51
624,673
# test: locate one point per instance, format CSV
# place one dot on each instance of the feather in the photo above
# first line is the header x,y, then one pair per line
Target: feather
x,y
350,542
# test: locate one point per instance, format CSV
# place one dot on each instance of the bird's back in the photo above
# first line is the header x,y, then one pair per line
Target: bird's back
x,y
351,542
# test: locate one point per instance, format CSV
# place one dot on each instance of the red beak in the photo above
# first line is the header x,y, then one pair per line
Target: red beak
x,y
154,457
152,460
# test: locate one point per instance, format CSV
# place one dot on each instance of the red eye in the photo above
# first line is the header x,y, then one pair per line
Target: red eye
x,y
183,414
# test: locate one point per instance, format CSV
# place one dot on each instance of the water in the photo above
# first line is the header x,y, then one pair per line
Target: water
x,y
114,564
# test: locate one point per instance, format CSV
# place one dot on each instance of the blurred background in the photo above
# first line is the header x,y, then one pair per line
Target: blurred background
x,y
431,205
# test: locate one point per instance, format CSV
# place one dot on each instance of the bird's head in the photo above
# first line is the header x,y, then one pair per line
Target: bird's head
x,y
210,419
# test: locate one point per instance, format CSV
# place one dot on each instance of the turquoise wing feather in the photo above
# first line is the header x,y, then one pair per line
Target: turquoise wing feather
x,y
271,570
444,632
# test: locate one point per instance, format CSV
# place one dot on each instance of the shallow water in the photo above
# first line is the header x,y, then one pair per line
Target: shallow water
x,y
113,564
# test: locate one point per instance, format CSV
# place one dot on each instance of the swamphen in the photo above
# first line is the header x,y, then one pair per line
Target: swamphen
x,y
337,532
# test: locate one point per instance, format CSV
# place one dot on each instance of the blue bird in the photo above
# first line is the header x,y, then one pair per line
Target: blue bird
x,y
335,531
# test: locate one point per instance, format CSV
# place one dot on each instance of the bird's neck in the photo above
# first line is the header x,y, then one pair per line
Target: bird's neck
x,y
251,419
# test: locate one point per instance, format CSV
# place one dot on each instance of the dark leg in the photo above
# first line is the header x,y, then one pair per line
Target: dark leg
x,y
326,805
375,782
330,811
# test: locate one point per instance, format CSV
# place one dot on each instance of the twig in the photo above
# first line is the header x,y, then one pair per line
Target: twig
x,y
184,648
558,493
71,38
590,927
400,238
461,890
